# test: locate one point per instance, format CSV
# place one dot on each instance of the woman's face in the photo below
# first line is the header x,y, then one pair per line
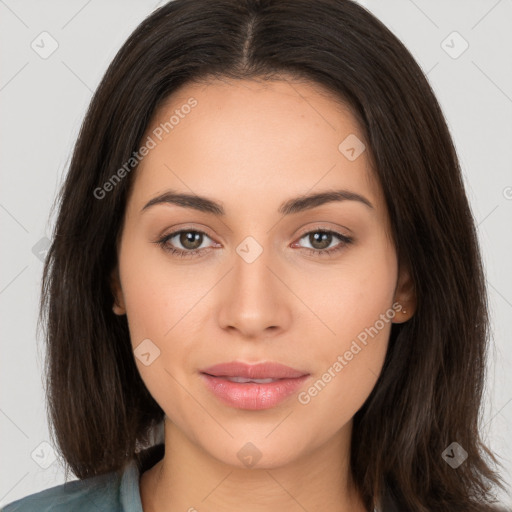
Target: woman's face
x,y
257,291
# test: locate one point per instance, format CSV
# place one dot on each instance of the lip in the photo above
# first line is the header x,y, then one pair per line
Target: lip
x,y
252,395
267,370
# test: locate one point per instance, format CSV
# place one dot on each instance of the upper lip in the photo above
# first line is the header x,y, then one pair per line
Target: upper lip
x,y
268,370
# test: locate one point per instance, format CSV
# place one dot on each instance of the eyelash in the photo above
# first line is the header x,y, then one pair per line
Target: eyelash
x,y
180,253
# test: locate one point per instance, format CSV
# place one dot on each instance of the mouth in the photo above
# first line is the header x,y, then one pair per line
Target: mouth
x,y
252,387
244,380
253,372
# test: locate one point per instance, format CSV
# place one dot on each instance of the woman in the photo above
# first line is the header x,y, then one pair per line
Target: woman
x,y
264,242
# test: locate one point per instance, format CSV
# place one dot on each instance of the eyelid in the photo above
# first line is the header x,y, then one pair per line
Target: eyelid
x,y
321,226
344,241
174,230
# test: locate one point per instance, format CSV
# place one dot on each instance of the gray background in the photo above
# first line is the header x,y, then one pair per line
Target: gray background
x,y
43,101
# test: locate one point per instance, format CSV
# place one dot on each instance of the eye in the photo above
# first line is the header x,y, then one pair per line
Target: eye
x,y
321,240
190,239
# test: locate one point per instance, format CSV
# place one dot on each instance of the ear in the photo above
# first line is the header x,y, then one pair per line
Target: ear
x,y
405,297
115,284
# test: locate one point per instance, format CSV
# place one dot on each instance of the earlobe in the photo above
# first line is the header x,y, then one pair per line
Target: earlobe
x,y
118,307
118,310
405,298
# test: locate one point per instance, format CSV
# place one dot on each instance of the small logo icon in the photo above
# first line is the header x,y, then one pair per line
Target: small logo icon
x,y
455,455
249,455
351,147
41,248
249,249
44,455
454,45
146,352
44,45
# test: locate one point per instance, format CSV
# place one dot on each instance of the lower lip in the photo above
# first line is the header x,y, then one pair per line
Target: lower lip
x,y
252,395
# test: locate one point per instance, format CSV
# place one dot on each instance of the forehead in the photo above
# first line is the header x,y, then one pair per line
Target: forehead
x,y
260,140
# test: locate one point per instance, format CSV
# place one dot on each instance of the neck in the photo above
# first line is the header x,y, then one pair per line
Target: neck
x,y
190,479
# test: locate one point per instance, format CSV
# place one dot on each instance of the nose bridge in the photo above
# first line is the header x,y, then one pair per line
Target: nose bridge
x,y
254,300
251,266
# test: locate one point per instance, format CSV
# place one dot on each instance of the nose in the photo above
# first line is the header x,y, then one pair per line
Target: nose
x,y
255,301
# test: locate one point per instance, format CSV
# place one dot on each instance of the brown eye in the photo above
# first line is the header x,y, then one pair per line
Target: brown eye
x,y
190,239
320,241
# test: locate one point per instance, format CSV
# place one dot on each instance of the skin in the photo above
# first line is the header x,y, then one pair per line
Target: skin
x,y
250,146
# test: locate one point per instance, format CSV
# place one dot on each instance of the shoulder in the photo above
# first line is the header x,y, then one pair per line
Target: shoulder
x,y
95,493
117,491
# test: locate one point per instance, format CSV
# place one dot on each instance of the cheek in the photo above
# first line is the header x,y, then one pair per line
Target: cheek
x,y
350,296
157,298
165,305
157,293
356,310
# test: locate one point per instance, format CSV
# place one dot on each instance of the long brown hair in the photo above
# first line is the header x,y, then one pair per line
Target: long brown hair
x,y
429,392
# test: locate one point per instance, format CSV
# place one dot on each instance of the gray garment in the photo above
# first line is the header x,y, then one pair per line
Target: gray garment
x,y
113,492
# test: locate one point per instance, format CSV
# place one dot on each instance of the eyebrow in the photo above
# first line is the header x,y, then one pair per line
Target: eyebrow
x,y
291,206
